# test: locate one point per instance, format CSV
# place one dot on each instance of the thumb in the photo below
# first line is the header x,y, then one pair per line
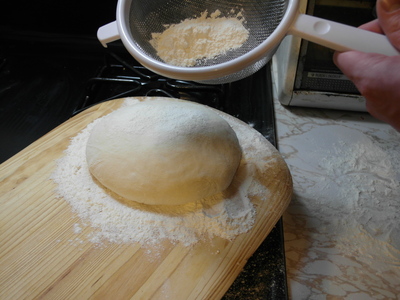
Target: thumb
x,y
389,20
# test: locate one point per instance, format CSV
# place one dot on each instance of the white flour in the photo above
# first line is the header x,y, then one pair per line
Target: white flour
x,y
343,227
116,223
200,38
366,210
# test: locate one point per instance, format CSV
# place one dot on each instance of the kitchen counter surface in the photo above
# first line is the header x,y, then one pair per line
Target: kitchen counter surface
x,y
342,228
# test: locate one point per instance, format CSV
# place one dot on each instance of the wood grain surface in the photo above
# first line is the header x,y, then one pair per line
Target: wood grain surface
x,y
42,257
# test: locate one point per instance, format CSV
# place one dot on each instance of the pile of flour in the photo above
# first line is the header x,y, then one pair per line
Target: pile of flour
x,y
115,222
204,37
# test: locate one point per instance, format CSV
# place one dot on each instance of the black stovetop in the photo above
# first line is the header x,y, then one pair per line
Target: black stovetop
x,y
46,80
46,77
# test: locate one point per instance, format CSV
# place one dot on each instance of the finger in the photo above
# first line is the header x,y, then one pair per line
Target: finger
x,y
372,26
351,63
377,78
361,68
389,19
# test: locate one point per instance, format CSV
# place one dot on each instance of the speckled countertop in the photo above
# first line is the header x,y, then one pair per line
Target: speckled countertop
x,y
342,228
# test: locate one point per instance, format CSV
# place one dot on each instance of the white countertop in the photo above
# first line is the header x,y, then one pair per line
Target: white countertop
x,y
342,228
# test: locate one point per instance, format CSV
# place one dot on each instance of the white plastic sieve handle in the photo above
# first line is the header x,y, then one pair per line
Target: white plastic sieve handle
x,y
108,33
340,37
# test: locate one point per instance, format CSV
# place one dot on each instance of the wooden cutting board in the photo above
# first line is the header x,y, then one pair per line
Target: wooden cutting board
x,y
42,257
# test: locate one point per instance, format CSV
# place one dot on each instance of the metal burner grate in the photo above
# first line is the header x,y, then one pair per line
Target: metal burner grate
x,y
121,77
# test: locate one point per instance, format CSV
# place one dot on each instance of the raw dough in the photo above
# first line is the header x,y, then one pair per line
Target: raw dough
x,y
164,152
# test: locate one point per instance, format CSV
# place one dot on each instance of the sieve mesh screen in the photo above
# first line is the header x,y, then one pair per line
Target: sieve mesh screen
x,y
261,19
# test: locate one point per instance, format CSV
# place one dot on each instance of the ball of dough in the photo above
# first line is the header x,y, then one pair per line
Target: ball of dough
x,y
163,152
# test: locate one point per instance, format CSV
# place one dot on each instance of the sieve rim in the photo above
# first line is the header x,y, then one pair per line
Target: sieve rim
x,y
204,72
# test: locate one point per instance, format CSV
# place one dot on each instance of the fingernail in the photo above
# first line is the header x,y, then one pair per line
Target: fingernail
x,y
390,5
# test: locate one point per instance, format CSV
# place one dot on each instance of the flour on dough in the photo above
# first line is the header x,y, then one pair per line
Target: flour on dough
x,y
164,152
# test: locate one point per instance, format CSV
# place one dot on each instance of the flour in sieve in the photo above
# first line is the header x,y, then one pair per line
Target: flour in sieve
x,y
204,37
116,223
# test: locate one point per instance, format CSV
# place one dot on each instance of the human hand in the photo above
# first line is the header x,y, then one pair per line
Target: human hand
x,y
377,76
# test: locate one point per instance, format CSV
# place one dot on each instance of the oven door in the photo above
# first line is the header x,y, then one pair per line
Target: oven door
x,y
304,73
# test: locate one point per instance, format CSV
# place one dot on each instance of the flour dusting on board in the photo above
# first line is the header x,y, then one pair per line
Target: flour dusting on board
x,y
115,222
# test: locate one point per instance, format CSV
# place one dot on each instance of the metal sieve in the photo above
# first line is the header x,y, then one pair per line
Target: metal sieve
x,y
268,22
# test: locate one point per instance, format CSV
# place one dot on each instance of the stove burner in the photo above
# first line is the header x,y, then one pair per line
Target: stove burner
x,y
119,78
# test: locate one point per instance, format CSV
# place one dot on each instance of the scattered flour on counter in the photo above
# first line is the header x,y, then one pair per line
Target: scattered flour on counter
x,y
116,223
350,179
204,37
367,176
345,212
